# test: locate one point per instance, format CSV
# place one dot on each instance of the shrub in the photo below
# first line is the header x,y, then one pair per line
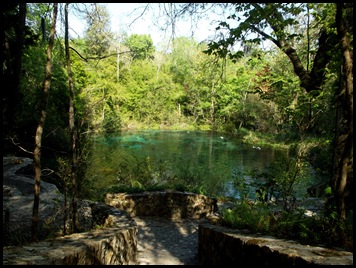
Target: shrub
x,y
324,230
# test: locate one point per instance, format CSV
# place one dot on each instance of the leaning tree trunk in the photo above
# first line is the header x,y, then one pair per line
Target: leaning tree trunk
x,y
75,220
39,131
343,144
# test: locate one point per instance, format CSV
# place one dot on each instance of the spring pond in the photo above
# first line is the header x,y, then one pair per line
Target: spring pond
x,y
207,160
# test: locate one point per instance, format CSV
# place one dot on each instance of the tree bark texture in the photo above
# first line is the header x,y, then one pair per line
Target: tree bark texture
x,y
39,131
75,220
343,143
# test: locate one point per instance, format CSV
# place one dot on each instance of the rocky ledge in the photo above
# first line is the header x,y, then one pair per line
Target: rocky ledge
x,y
18,197
109,235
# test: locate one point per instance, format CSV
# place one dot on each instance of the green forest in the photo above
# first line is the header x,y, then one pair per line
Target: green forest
x,y
60,91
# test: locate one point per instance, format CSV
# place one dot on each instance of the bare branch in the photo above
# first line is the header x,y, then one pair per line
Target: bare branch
x,y
50,171
17,144
99,58
146,7
79,54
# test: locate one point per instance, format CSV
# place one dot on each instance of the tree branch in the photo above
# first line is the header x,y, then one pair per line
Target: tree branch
x,y
267,36
140,15
99,58
17,144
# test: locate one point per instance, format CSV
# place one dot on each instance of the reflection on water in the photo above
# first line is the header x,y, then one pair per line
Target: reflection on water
x,y
209,158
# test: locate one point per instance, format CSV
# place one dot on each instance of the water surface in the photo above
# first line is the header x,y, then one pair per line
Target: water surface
x,y
210,160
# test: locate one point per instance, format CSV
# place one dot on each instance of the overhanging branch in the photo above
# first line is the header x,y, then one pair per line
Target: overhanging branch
x,y
98,58
267,36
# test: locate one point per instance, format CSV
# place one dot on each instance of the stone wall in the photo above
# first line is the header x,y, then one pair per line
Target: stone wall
x,y
225,246
113,242
169,204
115,239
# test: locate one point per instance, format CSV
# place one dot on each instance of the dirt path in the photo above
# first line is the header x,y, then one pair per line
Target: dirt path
x,y
164,242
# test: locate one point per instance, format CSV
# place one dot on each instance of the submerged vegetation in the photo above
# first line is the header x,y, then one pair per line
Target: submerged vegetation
x,y
282,206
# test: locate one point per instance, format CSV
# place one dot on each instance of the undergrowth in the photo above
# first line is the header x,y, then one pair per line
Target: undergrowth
x,y
321,230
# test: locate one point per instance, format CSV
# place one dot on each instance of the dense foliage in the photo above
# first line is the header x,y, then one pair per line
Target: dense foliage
x,y
285,94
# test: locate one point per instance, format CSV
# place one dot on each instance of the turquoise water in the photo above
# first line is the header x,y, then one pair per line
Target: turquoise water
x,y
204,159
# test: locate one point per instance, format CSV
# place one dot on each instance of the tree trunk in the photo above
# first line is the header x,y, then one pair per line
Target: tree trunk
x,y
314,79
39,131
343,139
65,216
75,220
343,142
212,107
